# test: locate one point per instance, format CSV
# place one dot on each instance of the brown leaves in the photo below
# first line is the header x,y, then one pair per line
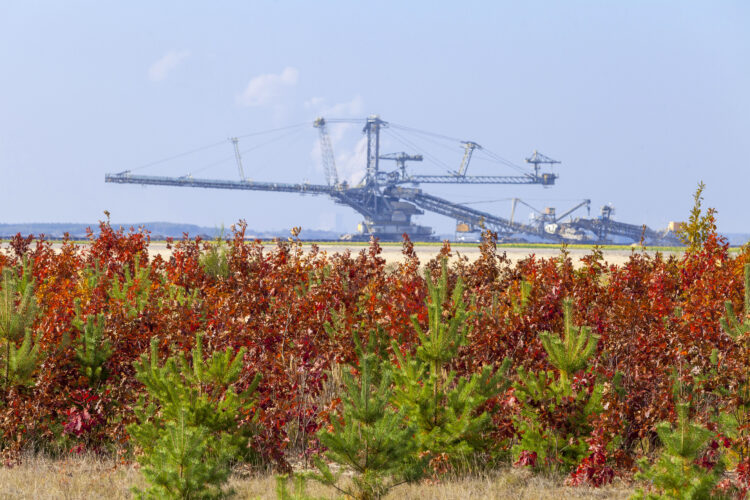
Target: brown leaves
x,y
654,314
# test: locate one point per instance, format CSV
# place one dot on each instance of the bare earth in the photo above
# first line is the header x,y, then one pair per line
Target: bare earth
x,y
392,253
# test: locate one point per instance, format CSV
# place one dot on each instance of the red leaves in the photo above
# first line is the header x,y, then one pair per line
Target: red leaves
x,y
84,418
654,314
526,459
743,473
593,470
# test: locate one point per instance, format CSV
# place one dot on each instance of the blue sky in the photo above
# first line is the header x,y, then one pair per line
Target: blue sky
x,y
639,100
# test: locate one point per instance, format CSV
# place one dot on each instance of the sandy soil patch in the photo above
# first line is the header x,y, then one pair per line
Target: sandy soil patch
x,y
392,253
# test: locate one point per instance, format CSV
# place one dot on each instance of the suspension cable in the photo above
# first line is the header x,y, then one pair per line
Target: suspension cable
x,y
484,201
212,164
270,141
499,159
443,145
180,155
410,144
418,131
492,156
209,146
294,137
252,148
263,132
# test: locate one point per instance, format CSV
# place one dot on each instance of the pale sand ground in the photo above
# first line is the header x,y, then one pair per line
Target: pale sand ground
x,y
392,253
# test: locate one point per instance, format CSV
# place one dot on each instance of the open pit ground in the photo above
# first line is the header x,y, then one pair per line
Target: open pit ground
x,y
392,252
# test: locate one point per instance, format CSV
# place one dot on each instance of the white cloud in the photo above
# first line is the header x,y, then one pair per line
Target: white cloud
x,y
351,165
264,89
169,61
314,103
352,108
349,155
355,108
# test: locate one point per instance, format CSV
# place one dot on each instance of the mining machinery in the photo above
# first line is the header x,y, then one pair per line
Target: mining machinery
x,y
388,199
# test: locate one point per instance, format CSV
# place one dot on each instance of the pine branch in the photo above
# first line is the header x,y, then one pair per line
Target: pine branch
x,y
93,350
23,360
738,327
571,353
18,310
183,419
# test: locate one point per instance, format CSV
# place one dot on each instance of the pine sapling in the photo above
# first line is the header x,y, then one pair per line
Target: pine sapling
x,y
519,305
571,353
368,437
93,350
675,473
92,276
134,291
738,327
22,361
176,294
193,410
738,419
553,421
215,260
443,406
184,464
18,309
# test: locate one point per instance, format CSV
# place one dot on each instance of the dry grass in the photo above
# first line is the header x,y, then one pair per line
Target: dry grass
x,y
70,478
509,484
93,478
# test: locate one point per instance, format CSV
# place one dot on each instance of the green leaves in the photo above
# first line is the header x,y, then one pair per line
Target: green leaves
x,y
93,350
442,405
699,226
18,309
192,415
368,437
134,290
554,417
735,327
184,464
675,475
571,353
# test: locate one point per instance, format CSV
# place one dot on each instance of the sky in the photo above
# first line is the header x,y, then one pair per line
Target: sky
x,y
639,100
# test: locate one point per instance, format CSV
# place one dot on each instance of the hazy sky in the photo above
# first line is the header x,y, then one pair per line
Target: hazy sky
x,y
639,99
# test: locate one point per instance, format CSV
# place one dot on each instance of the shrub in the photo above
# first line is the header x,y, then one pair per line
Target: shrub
x,y
444,407
93,350
18,310
215,261
675,474
368,437
190,440
553,421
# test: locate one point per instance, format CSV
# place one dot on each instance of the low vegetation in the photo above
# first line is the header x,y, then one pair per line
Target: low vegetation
x,y
354,379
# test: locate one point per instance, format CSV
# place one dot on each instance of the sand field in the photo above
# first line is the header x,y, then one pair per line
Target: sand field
x,y
392,252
